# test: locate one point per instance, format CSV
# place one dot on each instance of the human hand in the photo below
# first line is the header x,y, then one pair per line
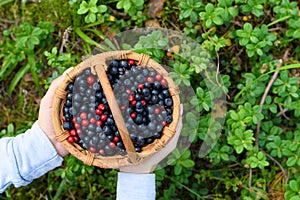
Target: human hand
x,y
148,165
45,115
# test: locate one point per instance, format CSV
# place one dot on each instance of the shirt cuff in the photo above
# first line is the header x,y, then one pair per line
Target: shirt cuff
x,y
135,186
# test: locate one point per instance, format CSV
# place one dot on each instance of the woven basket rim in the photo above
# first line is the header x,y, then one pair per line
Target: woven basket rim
x,y
99,63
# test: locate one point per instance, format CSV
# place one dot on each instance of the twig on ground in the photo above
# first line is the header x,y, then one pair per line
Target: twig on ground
x,y
282,112
264,98
117,13
286,55
10,21
286,177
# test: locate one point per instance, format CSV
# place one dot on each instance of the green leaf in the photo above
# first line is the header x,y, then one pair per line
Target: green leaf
x,y
209,8
3,2
84,8
254,39
260,155
294,185
187,13
295,197
273,108
188,163
10,128
102,8
126,5
208,23
138,2
239,149
248,27
218,20
120,4
225,157
288,195
291,161
91,17
233,11
94,9
92,2
37,31
171,161
177,169
234,115
19,75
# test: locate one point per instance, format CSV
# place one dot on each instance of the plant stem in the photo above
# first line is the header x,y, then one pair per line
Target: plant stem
x,y
59,190
286,177
31,62
263,99
279,20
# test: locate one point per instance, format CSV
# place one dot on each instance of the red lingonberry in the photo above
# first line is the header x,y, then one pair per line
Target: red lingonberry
x,y
131,62
83,115
103,117
79,132
116,139
156,110
158,77
133,115
73,132
85,122
133,103
99,123
77,126
164,123
141,86
76,138
92,149
74,120
93,120
163,81
144,102
131,97
98,111
112,145
123,107
101,106
128,91
70,139
90,79
150,79
101,151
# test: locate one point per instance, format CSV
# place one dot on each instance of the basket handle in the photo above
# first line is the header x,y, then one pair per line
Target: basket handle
x,y
99,68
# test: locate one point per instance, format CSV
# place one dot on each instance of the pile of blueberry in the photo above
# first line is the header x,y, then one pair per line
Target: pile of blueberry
x,y
144,100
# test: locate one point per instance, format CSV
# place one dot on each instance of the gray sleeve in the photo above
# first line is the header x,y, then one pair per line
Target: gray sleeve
x,y
26,157
135,186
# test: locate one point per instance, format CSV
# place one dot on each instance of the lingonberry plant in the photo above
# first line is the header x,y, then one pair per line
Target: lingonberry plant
x,y
252,57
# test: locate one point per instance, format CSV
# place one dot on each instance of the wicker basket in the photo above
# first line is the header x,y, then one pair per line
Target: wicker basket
x,y
98,66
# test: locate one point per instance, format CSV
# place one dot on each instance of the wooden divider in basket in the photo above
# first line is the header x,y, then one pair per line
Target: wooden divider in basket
x,y
98,65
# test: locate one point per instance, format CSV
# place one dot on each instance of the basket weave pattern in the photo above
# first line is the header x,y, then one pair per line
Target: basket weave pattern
x,y
98,66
